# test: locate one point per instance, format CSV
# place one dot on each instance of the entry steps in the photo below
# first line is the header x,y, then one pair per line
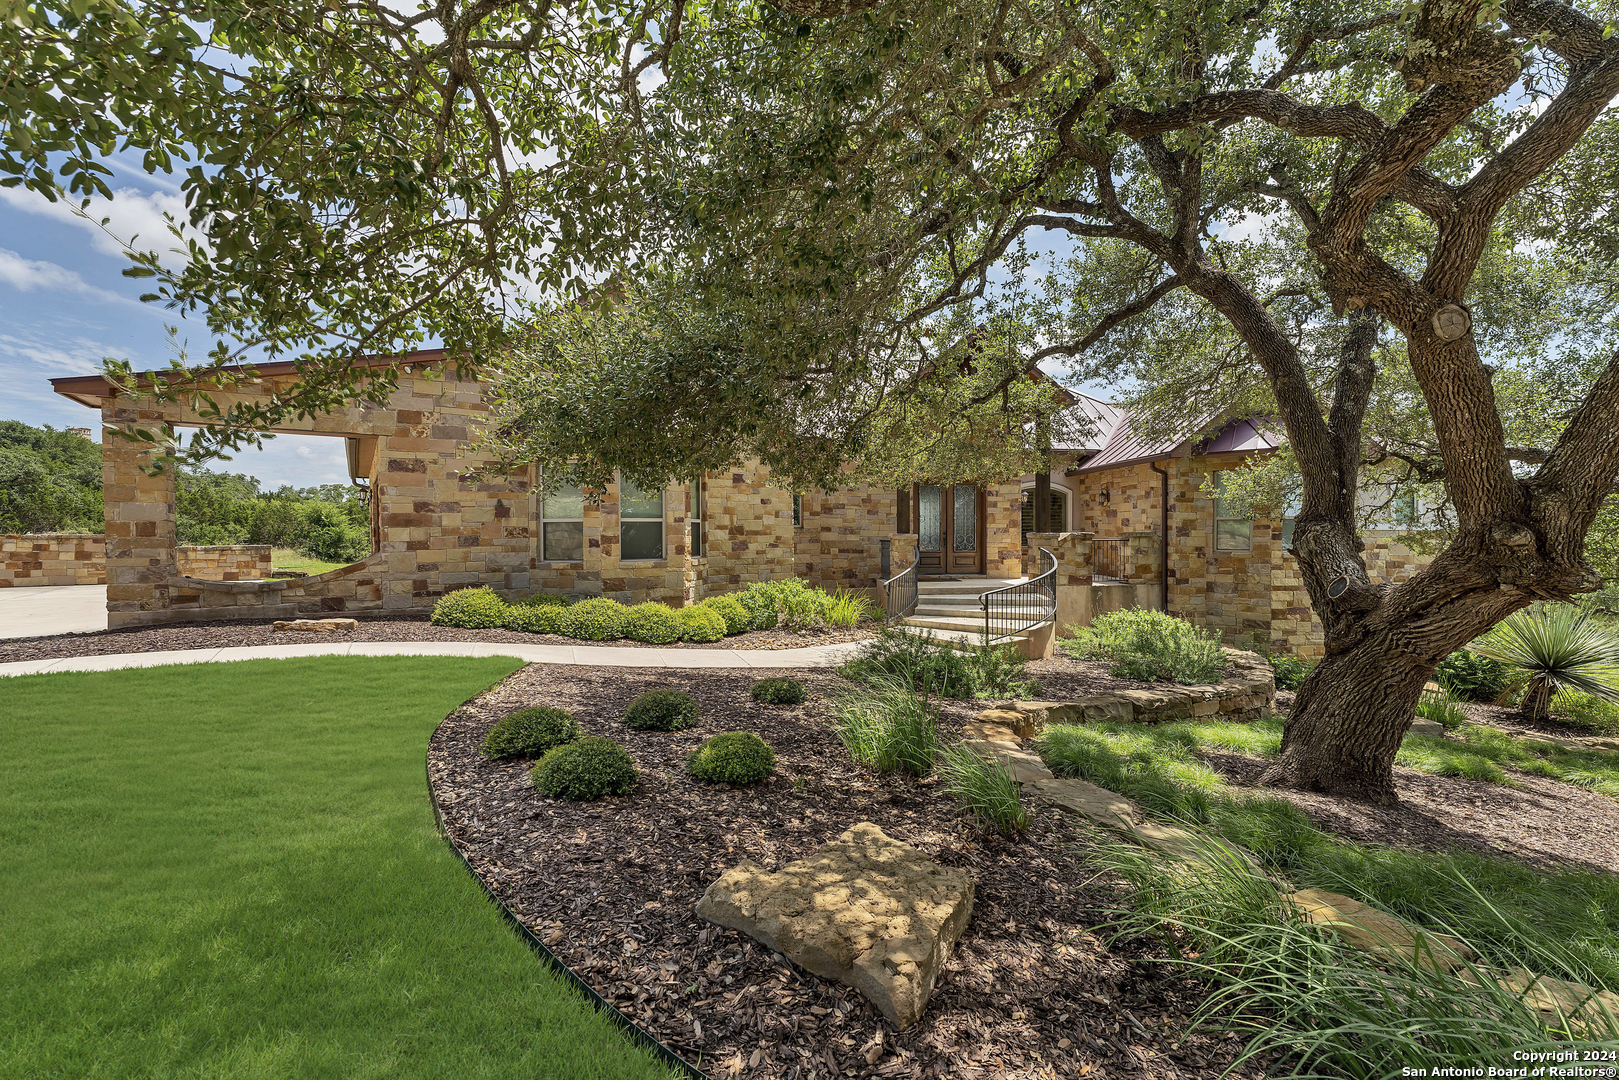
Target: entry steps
x,y
953,611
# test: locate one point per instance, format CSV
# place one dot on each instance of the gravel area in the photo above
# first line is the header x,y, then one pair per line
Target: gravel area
x,y
611,886
235,632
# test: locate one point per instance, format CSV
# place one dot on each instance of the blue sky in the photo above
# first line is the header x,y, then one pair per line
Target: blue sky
x,y
64,305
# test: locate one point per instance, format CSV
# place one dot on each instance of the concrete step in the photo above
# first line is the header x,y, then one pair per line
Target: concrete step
x,y
961,639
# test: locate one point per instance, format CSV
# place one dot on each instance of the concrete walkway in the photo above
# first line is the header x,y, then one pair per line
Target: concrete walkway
x,y
52,609
603,655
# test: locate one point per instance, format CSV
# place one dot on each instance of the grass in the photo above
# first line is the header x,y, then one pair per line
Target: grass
x,y
888,727
232,870
985,789
288,559
1513,913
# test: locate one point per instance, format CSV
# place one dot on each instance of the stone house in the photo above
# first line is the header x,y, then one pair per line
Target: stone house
x,y
1111,506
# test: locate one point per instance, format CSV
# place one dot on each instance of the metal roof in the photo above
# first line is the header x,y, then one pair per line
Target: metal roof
x,y
1121,445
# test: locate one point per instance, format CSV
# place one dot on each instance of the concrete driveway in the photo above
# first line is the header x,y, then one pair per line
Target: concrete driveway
x,y
52,609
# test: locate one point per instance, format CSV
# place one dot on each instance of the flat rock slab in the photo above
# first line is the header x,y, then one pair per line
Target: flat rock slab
x,y
988,731
1085,799
1431,728
866,910
1370,930
316,626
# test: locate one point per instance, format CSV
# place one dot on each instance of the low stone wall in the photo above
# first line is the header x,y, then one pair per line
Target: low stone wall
x,y
225,562
359,589
1248,693
39,559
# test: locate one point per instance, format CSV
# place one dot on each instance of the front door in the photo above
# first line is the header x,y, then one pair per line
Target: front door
x,y
949,521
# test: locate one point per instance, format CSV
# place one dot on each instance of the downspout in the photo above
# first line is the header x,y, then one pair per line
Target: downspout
x,y
1163,522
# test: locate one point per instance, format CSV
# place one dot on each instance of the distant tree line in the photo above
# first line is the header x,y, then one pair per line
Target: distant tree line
x,y
50,481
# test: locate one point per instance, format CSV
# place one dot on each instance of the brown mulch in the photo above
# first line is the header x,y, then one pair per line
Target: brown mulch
x,y
1545,823
611,886
235,632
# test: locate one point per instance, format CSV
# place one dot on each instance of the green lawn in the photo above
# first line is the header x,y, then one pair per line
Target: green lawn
x,y
231,870
288,559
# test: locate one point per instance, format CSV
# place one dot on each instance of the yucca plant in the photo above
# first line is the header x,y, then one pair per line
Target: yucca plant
x,y
1554,648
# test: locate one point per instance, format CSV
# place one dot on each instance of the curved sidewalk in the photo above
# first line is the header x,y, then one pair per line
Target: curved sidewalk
x,y
593,655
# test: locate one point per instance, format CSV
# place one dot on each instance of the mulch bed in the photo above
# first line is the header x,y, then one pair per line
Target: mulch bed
x,y
236,632
611,886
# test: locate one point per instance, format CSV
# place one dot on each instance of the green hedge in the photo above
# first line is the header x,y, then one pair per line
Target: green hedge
x,y
735,615
586,768
700,624
597,619
530,619
651,622
470,609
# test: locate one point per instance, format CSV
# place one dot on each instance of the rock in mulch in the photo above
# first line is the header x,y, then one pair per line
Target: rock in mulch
x,y
314,626
866,910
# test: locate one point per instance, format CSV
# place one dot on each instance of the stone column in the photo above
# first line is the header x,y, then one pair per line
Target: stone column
x,y
901,552
1073,554
142,556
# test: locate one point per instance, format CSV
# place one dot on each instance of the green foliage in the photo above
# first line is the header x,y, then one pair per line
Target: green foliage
x,y
889,728
1149,645
329,523
1552,648
546,599
737,618
915,661
661,710
1290,671
848,609
470,609
999,671
50,481
329,534
651,622
701,624
596,619
736,757
587,768
1441,707
760,604
529,618
530,733
1583,710
985,789
779,691
1472,677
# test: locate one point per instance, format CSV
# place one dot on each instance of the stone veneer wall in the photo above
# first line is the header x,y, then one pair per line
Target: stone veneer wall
x,y
1294,626
839,542
225,562
603,571
39,559
749,526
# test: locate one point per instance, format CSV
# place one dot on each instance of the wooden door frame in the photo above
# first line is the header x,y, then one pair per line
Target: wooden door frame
x,y
947,515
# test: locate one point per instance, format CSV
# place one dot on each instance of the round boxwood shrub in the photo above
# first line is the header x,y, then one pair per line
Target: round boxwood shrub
x,y
470,609
779,691
530,619
661,710
735,615
530,733
546,599
700,624
597,619
737,757
651,622
587,768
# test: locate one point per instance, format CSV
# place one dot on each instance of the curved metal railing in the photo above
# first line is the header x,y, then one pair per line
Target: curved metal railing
x,y
900,591
1014,609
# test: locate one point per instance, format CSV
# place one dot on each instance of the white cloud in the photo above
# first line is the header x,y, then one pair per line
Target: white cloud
x,y
133,217
30,274
66,355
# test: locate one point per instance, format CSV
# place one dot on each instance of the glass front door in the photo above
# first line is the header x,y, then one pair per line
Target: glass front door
x,y
948,528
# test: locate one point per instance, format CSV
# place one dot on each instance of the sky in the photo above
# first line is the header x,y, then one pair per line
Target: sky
x,y
64,304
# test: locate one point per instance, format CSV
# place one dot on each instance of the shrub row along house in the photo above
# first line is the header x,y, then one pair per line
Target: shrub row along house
x,y
1111,507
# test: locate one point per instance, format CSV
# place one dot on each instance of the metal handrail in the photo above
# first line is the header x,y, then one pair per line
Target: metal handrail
x,y
1110,559
901,592
1014,609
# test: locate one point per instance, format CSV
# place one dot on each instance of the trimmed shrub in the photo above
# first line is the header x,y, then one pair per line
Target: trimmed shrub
x,y
1151,646
737,757
779,691
587,768
546,599
735,615
596,619
470,609
530,733
661,710
700,624
1472,677
651,622
528,618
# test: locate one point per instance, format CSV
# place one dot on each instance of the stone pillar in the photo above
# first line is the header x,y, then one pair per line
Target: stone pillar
x,y
142,555
901,552
1073,554
1147,569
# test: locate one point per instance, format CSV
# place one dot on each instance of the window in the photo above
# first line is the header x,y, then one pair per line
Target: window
x,y
1231,533
697,517
798,511
1405,509
1059,512
562,530
640,523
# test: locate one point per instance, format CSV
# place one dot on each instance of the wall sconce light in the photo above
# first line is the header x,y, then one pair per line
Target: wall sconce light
x,y
1107,496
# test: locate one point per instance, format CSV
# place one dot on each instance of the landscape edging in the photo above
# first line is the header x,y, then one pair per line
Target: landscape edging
x,y
635,1031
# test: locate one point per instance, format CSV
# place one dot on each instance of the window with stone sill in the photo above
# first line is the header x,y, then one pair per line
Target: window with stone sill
x,y
562,526
640,523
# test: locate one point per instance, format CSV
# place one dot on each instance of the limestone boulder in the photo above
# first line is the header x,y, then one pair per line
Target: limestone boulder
x,y
315,626
1370,930
865,910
